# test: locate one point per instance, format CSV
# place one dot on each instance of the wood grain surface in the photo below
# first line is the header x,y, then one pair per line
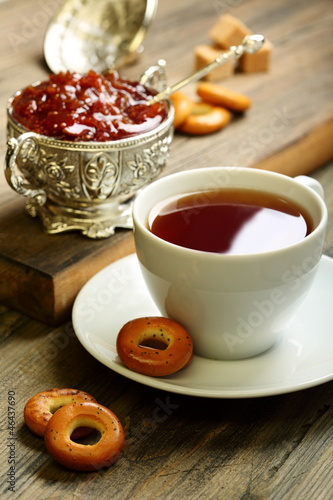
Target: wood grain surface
x,y
177,446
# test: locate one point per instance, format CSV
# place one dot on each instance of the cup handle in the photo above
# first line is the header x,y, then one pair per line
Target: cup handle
x,y
311,183
16,181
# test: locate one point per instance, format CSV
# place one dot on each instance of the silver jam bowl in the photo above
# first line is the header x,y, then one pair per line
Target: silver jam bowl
x,y
85,186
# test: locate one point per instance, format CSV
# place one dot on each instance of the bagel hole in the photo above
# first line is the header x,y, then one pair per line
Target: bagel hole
x,y
55,408
153,343
92,438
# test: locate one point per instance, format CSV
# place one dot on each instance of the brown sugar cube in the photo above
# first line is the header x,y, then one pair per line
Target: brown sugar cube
x,y
259,61
228,31
205,54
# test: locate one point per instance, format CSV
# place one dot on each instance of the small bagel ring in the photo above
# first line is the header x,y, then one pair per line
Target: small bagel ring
x,y
154,346
205,119
222,96
183,107
41,407
78,456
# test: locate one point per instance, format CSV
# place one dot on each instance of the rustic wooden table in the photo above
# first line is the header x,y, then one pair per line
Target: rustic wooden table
x,y
275,447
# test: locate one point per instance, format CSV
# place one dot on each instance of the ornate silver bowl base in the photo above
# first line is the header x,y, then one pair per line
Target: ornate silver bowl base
x,y
96,224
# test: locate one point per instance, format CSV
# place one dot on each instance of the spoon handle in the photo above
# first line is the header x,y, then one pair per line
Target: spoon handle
x,y
250,44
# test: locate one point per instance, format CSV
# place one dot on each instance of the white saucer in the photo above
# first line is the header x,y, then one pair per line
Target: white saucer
x,y
302,359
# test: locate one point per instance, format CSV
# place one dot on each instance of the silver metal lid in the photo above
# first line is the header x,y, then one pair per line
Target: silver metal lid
x,y
97,34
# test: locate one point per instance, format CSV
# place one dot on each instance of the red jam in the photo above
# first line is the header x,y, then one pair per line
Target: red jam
x,y
88,107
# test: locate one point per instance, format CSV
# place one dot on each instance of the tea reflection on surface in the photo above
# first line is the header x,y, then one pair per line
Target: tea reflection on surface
x,y
229,221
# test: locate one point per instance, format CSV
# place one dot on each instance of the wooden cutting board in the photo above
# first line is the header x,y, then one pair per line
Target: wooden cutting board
x,y
289,129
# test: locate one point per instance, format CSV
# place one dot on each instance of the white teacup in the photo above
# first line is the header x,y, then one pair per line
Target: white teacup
x,y
234,306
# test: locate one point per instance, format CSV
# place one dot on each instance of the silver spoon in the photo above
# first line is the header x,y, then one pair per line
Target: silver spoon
x,y
250,45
